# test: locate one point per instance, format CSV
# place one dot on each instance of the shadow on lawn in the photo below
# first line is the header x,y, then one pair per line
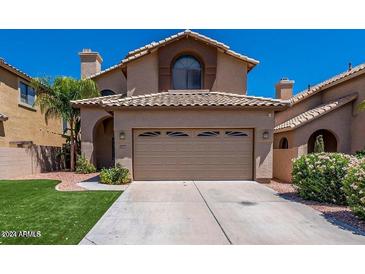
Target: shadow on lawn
x,y
343,219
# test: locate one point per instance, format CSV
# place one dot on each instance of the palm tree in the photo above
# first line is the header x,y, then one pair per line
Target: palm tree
x,y
54,96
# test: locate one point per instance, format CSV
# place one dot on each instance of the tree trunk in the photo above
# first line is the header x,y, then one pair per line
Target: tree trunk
x,y
72,146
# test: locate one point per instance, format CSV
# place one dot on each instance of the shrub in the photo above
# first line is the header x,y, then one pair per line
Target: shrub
x,y
360,154
319,144
83,165
354,187
319,176
115,176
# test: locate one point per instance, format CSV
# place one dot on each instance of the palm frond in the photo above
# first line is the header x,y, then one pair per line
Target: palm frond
x,y
361,106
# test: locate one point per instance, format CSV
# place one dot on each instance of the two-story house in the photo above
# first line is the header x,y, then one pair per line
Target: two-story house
x,y
177,109
28,144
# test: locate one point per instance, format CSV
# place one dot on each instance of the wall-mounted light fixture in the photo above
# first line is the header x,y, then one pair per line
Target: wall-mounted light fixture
x,y
265,135
121,135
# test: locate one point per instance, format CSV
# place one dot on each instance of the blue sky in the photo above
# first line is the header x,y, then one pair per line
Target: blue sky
x,y
306,56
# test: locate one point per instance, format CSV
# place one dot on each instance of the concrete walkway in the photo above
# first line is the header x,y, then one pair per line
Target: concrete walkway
x,y
93,184
240,212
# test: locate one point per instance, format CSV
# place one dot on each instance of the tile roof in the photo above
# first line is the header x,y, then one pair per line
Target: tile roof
x,y
191,98
329,82
13,69
3,117
137,53
313,114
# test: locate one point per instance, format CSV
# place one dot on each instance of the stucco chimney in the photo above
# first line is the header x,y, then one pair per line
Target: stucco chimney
x,y
284,89
90,63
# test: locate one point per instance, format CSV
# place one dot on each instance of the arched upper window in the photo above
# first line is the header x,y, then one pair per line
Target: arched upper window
x,y
187,73
284,144
107,92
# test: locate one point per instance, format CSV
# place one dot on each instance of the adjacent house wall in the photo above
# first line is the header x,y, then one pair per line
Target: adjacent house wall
x,y
337,122
200,118
231,74
24,123
142,75
113,80
298,108
357,124
17,162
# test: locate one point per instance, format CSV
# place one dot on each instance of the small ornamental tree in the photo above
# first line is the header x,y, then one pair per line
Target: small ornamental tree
x,y
319,144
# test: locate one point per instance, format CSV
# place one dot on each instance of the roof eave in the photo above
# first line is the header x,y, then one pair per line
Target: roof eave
x,y
352,97
257,108
337,82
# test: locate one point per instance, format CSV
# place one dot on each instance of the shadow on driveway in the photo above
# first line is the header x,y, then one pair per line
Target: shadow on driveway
x,y
343,219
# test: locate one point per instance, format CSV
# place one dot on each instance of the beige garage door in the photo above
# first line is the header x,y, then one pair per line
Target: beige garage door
x,y
193,154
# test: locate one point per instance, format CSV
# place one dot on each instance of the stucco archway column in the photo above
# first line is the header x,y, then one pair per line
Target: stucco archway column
x,y
89,119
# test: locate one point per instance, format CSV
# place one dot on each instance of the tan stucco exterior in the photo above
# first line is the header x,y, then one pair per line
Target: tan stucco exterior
x,y
142,75
127,120
346,123
114,81
206,54
231,74
25,123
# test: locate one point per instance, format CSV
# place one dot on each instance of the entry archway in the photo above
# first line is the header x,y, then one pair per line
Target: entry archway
x,y
104,151
329,139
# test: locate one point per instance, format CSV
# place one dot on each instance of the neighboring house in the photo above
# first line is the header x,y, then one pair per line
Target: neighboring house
x,y
27,143
328,109
179,111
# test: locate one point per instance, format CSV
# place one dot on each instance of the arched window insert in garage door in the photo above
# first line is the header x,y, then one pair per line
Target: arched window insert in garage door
x,y
150,134
176,134
208,134
236,133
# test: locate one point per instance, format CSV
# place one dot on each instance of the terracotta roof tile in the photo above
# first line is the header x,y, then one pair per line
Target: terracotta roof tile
x,y
137,53
313,114
17,71
3,117
317,88
185,99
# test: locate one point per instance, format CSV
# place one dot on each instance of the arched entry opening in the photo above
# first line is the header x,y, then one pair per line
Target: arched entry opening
x,y
104,151
329,140
284,144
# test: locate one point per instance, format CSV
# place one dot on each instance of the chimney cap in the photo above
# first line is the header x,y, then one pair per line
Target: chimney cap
x,y
285,80
89,52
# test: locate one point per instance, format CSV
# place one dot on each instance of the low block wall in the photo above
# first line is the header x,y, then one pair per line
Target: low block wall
x,y
16,162
282,163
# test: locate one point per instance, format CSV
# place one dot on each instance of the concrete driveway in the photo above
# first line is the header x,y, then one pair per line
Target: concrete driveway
x,y
192,212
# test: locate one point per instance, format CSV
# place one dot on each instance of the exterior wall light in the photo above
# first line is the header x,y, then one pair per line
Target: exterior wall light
x,y
265,135
121,135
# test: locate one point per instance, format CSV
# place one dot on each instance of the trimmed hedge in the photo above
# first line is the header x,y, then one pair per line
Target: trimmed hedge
x,y
319,177
115,176
354,187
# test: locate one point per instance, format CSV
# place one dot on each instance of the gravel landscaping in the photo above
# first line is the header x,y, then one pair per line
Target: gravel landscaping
x,y
68,180
329,211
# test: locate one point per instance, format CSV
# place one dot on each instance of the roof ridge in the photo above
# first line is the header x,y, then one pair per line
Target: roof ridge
x,y
321,85
251,97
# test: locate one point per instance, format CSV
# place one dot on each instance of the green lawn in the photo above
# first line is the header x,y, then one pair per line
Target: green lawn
x,y
61,217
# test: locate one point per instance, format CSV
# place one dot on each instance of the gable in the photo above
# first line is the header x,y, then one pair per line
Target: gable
x,y
206,54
